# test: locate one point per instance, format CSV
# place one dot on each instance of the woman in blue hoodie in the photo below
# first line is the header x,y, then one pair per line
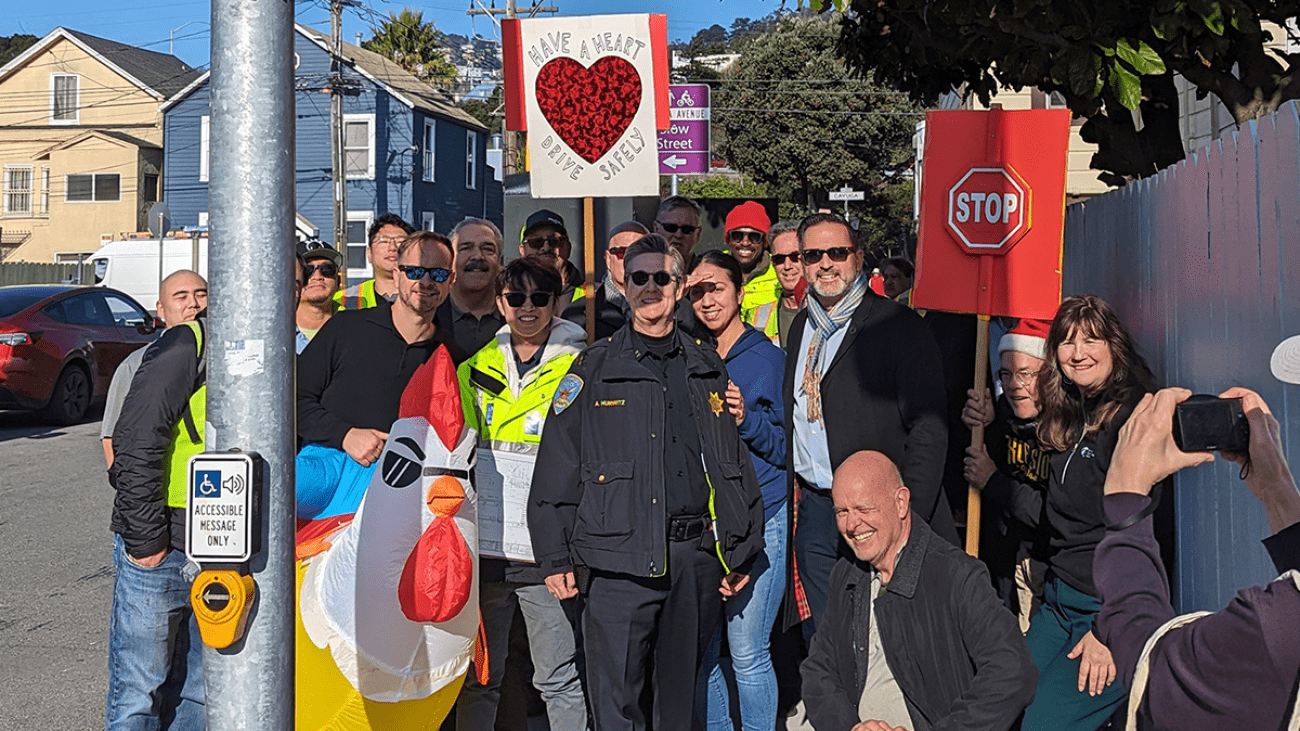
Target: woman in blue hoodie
x,y
757,370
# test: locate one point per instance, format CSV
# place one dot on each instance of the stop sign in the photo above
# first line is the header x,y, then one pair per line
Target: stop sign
x,y
988,209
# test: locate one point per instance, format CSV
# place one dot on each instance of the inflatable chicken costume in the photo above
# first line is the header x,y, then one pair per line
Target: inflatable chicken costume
x,y
388,597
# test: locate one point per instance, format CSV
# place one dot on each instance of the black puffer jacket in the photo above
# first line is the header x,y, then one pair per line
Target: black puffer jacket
x,y
598,493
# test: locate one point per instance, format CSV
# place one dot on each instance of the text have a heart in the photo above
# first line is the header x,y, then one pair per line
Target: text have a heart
x,y
551,44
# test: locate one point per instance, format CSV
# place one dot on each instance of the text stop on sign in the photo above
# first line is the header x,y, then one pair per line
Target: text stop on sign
x,y
989,209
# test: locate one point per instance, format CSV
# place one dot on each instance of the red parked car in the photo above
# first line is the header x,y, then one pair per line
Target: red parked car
x,y
60,344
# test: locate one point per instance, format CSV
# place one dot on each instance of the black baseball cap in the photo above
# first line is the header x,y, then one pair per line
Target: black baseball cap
x,y
540,218
317,249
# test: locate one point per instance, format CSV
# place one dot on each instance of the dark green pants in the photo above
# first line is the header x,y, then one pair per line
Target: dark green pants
x,y
1065,617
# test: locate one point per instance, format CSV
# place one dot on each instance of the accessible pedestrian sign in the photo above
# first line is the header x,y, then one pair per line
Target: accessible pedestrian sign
x,y
220,505
684,146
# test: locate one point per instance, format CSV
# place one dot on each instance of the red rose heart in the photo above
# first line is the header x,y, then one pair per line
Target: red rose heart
x,y
590,108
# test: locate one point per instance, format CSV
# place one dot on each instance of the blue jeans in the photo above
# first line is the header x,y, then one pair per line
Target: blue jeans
x,y
155,654
552,644
749,619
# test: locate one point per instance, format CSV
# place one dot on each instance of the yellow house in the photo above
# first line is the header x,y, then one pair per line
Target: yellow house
x,y
81,143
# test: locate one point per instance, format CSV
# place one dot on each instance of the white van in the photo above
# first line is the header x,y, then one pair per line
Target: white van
x,y
132,266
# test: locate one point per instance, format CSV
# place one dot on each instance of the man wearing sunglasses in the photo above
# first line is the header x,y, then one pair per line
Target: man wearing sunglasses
x,y
352,374
320,267
546,239
862,373
642,478
611,302
775,318
678,221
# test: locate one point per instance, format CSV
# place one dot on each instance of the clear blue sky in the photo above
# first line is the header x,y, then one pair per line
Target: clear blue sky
x,y
150,23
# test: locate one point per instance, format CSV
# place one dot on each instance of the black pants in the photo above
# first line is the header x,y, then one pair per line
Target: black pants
x,y
636,628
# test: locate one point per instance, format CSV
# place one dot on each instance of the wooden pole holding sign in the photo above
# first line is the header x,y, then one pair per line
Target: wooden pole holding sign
x,y
992,214
589,264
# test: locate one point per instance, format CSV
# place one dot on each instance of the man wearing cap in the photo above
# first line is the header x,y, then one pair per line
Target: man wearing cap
x,y
1011,459
545,238
320,264
678,221
611,302
470,311
385,235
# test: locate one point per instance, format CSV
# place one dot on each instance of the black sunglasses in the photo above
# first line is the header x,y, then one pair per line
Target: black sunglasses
x,y
618,251
516,299
836,253
662,278
779,259
327,270
673,228
554,242
754,237
415,274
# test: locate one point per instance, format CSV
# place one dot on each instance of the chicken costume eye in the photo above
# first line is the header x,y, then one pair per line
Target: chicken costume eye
x,y
400,470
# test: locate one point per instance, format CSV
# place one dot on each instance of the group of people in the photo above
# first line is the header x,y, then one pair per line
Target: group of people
x,y
754,440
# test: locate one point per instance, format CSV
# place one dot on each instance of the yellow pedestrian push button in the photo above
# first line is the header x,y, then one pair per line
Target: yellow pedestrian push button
x,y
221,600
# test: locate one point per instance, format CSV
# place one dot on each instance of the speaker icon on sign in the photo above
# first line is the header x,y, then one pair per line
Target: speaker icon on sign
x,y
234,483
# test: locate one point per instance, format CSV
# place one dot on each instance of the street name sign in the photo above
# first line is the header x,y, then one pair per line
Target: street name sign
x,y
847,194
684,146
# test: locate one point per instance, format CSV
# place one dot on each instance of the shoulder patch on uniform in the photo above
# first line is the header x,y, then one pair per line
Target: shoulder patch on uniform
x,y
566,392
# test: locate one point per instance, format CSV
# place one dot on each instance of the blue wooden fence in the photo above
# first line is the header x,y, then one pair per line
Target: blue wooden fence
x,y
1202,263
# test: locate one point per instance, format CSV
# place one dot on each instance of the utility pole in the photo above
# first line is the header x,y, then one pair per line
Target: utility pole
x,y
338,158
249,341
509,143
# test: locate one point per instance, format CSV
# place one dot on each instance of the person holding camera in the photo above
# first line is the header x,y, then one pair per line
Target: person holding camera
x,y
1093,378
1238,666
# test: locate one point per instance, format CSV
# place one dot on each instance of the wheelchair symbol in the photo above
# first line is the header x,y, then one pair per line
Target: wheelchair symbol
x,y
207,484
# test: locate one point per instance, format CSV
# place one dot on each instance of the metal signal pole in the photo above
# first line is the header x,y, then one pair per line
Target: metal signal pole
x,y
337,140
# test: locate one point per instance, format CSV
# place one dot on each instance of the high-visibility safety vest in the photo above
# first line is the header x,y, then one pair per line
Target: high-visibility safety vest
x,y
762,297
505,420
360,297
187,434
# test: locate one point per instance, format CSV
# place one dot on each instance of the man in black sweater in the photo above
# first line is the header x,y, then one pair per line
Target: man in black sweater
x,y
351,376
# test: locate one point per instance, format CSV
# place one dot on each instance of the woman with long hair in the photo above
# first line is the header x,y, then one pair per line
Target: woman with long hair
x,y
1088,387
757,371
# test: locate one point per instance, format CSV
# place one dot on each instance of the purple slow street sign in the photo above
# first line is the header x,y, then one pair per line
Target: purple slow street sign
x,y
684,148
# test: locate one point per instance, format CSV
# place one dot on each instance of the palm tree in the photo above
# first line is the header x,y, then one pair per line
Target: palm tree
x,y
412,44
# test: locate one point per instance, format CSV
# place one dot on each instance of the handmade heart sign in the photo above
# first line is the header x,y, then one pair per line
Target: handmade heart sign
x,y
589,108
591,92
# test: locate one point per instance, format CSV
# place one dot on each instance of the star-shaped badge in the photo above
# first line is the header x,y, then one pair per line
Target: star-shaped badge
x,y
715,403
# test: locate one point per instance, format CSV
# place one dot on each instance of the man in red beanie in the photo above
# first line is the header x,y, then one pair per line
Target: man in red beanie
x,y
746,233
1011,459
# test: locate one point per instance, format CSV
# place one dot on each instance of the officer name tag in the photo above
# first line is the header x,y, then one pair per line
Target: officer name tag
x,y
219,507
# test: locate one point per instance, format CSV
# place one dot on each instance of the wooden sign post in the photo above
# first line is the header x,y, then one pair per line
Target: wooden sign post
x,y
992,221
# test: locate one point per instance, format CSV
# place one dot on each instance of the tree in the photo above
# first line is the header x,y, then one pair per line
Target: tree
x,y
717,186
789,117
488,112
11,47
1109,59
414,45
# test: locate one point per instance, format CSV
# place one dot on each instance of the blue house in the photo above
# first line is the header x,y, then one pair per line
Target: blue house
x,y
408,150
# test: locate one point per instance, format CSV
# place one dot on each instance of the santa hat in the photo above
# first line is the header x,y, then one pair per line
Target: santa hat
x,y
1028,337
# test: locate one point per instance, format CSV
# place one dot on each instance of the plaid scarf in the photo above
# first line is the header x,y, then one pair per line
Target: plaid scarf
x,y
826,324
614,295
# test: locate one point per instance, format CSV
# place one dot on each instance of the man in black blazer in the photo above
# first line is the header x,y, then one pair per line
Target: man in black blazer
x,y
862,373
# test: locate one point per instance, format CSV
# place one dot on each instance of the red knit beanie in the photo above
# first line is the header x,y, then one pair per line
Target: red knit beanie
x,y
749,214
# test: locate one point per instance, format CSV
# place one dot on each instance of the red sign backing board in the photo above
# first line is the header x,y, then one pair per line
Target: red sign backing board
x,y
992,198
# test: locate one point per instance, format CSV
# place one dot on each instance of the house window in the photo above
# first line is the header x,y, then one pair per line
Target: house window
x,y
471,160
149,188
430,138
426,220
359,145
64,92
94,188
45,190
18,190
203,149
358,225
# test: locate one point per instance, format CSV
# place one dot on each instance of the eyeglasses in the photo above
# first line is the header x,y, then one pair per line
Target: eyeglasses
x,y
618,251
662,278
388,241
673,228
516,299
836,253
1022,377
753,237
538,242
327,270
697,292
779,259
415,274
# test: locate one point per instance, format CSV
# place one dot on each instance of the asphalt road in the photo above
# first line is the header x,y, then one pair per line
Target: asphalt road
x,y
56,574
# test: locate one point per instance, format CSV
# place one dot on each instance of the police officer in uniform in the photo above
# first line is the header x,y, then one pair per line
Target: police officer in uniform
x,y
642,478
